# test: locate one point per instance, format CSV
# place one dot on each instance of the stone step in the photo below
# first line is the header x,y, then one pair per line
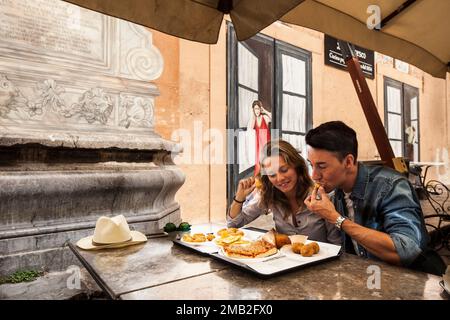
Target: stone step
x,y
46,200
55,259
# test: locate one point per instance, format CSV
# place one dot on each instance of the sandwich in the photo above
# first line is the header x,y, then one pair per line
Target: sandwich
x,y
255,249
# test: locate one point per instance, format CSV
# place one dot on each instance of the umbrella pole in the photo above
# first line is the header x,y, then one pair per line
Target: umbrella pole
x,y
370,110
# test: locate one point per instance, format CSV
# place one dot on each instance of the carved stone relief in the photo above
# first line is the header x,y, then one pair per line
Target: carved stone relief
x,y
135,111
94,106
143,61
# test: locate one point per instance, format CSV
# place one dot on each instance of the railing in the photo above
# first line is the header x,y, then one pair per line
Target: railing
x,y
437,194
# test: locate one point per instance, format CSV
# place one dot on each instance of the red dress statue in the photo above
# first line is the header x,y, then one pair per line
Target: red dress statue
x,y
262,131
262,137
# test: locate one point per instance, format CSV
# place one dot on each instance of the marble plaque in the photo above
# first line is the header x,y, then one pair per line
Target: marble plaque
x,y
75,73
54,29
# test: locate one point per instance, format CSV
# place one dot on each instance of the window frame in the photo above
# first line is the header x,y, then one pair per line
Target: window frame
x,y
389,82
306,56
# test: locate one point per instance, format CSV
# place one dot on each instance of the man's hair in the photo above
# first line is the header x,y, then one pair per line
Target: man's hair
x,y
334,136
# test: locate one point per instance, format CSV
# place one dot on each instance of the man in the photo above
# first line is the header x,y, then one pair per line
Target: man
x,y
375,206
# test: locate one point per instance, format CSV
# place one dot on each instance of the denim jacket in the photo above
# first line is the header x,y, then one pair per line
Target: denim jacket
x,y
384,200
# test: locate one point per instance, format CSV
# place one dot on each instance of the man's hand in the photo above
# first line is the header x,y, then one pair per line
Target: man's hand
x,y
376,242
323,207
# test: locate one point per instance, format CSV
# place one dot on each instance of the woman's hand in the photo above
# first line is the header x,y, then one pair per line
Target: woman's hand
x,y
268,115
245,187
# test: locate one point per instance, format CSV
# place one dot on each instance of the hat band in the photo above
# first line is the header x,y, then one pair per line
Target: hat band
x,y
97,244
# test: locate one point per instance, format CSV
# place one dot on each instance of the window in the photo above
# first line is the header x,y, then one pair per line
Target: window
x,y
277,74
294,94
402,118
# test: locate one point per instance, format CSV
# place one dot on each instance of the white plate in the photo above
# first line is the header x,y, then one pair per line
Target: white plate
x,y
326,250
245,260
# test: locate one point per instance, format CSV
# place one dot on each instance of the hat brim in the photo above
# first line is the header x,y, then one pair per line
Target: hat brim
x,y
136,238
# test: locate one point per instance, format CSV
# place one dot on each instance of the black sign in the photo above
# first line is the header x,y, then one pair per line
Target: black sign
x,y
333,57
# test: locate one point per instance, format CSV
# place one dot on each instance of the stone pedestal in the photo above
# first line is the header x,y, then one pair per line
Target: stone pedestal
x,y
77,136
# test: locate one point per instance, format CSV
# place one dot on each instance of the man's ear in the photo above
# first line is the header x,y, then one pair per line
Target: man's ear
x,y
349,160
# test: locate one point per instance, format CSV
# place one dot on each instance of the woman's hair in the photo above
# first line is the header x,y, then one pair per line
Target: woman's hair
x,y
257,103
270,195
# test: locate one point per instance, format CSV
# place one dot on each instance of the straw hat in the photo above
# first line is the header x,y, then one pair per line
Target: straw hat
x,y
111,233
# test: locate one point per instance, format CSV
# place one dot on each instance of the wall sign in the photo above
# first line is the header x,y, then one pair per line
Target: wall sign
x,y
333,57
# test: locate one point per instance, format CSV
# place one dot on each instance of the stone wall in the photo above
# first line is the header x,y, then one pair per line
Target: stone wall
x,y
77,137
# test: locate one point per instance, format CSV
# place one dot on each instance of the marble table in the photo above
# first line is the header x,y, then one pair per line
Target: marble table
x,y
160,269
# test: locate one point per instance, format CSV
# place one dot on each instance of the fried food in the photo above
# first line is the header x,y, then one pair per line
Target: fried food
x,y
210,236
225,241
258,183
254,249
315,246
222,232
307,250
316,189
297,247
229,232
187,238
281,240
197,237
276,239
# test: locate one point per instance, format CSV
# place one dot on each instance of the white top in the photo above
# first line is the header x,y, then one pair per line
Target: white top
x,y
351,216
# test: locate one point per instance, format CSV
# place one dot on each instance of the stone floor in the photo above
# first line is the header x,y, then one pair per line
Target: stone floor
x,y
62,285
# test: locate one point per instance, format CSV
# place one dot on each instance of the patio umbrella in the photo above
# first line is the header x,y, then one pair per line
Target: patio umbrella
x,y
197,20
415,31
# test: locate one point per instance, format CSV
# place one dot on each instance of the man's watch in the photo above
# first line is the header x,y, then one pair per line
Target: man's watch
x,y
339,221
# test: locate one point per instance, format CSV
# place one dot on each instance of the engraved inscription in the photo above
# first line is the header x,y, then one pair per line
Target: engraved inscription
x,y
51,26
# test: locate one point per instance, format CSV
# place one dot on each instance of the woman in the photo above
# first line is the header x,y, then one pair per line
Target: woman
x,y
259,121
285,185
